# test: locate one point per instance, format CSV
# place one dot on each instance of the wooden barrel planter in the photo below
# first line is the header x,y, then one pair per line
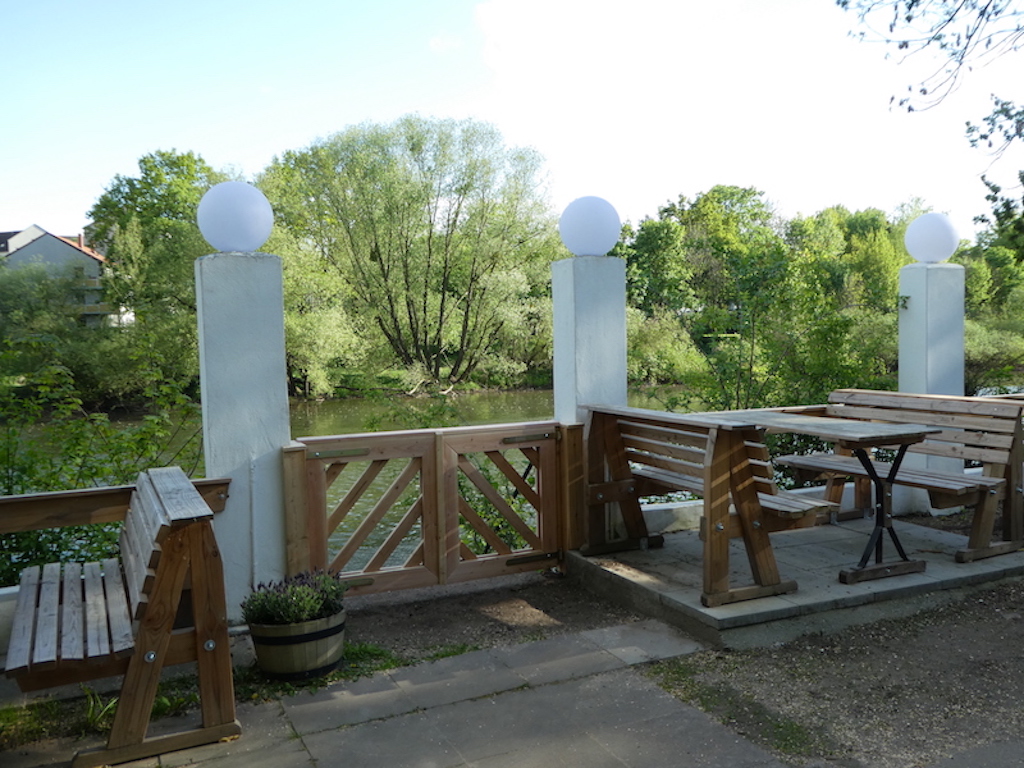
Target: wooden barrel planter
x,y
299,651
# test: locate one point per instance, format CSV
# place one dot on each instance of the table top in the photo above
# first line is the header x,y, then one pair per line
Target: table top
x,y
848,433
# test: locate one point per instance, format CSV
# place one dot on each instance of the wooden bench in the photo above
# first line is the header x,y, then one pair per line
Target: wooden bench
x,y
161,604
986,431
634,452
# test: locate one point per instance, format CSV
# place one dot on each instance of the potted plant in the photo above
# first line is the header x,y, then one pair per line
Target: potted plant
x,y
297,624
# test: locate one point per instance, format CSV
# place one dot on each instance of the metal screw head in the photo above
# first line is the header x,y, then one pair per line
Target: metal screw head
x,y
719,526
150,656
209,645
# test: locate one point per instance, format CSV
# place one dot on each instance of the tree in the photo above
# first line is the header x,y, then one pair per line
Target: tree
x,y
965,32
440,230
146,225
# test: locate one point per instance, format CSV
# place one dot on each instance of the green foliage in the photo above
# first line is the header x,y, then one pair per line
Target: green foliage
x,y
50,442
304,597
486,510
438,230
660,351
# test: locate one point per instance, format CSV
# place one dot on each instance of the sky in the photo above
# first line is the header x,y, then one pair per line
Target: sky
x,y
636,101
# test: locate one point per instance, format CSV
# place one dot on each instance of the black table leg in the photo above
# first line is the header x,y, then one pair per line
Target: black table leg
x,y
883,522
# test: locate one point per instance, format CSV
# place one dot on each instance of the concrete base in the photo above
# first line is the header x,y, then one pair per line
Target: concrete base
x,y
666,583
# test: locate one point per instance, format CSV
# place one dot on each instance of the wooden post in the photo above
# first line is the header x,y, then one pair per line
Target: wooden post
x,y
572,466
296,510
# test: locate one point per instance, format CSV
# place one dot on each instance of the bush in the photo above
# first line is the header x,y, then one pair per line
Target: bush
x,y
306,596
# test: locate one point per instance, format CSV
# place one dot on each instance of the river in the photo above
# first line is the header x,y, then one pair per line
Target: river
x,y
340,417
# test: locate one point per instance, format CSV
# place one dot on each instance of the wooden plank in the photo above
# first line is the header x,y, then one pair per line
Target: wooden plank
x,y
986,406
152,522
745,499
19,649
118,616
156,745
44,649
717,492
398,533
58,509
355,493
317,532
671,481
140,681
293,466
526,490
180,501
489,534
377,513
97,635
500,504
210,622
72,616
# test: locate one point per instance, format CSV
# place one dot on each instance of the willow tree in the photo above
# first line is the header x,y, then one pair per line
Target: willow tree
x,y
441,230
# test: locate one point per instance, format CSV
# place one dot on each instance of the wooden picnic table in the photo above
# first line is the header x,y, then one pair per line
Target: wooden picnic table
x,y
857,436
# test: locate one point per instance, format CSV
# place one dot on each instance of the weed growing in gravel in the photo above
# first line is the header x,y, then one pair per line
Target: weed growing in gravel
x,y
682,678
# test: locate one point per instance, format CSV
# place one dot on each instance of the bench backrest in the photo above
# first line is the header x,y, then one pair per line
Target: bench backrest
x,y
680,445
974,429
164,500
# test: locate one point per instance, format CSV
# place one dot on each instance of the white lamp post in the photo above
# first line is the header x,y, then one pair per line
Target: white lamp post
x,y
589,296
240,302
931,330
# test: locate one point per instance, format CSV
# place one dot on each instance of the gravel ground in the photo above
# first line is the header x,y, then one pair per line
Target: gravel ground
x,y
894,694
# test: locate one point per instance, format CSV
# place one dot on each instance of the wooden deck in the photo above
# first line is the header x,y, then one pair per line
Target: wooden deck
x,y
666,583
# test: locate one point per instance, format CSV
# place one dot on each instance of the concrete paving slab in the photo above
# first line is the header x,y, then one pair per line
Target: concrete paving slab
x,y
571,751
558,658
643,641
368,698
411,741
468,676
686,737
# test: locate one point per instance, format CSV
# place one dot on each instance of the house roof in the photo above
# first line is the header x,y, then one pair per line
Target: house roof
x,y
76,241
4,237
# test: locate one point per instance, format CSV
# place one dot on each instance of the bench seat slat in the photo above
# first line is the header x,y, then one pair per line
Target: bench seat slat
x,y
97,635
44,649
19,650
121,640
779,503
72,618
915,478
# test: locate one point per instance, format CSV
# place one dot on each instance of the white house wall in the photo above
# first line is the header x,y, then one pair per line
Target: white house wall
x,y
52,252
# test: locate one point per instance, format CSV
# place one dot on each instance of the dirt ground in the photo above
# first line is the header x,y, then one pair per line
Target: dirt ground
x,y
894,694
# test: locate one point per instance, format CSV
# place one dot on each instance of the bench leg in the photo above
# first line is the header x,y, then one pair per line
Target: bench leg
x,y
730,479
979,543
195,550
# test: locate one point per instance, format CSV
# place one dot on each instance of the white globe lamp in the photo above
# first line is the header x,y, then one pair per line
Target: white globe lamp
x,y
235,216
589,226
931,238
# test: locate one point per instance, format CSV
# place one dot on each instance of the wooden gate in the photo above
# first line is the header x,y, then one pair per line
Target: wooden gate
x,y
398,510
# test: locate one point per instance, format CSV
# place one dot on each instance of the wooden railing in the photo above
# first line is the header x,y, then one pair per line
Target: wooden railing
x,y
396,510
57,509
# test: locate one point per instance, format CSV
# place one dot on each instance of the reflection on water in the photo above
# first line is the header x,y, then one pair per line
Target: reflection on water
x,y
342,417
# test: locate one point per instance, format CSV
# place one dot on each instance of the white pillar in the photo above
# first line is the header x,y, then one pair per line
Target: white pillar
x,y
240,304
931,328
589,297
931,352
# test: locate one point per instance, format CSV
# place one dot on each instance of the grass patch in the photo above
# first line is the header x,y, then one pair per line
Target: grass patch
x,y
93,712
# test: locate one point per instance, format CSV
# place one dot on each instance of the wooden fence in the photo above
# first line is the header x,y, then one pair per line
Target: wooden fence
x,y
397,510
